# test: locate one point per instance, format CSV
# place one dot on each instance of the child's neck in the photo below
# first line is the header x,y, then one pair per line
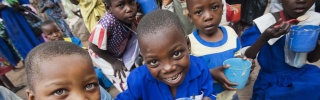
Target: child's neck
x,y
213,37
285,17
173,91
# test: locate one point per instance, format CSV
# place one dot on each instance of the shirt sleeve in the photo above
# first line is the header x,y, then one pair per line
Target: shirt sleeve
x,y
135,83
250,36
99,37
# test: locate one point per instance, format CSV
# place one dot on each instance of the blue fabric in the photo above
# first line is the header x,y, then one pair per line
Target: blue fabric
x,y
76,41
212,44
103,80
277,80
215,60
12,57
143,86
19,31
104,95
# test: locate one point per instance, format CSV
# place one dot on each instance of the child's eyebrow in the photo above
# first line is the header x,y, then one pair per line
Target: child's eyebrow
x,y
57,83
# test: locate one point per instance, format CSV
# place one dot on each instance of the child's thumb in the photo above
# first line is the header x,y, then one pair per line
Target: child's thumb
x,y
225,66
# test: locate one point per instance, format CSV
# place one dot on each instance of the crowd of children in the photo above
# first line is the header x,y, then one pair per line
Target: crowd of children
x,y
183,46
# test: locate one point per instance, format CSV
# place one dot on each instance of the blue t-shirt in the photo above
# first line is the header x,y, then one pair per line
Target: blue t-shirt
x,y
142,85
215,53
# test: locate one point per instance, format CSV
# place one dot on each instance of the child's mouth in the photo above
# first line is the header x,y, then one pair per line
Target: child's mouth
x,y
175,79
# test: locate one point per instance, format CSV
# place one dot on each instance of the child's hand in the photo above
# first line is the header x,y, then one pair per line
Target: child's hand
x,y
251,60
218,75
119,68
274,32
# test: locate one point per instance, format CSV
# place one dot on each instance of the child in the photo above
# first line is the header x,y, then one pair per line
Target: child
x,y
170,72
55,12
64,71
52,33
277,79
113,45
213,43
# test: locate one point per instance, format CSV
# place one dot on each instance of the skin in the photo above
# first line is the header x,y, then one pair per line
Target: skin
x,y
125,11
291,9
206,16
52,32
68,77
167,58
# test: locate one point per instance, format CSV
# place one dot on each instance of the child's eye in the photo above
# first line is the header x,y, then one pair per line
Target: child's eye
x,y
120,5
90,86
60,92
177,54
198,12
153,62
214,7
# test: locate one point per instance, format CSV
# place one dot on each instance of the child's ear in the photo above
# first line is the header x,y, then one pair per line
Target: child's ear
x,y
188,43
30,94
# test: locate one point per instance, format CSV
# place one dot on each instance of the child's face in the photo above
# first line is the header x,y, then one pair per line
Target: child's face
x,y
166,55
68,77
52,32
296,8
124,10
205,14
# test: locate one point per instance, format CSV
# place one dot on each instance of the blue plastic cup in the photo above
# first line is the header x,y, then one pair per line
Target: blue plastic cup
x,y
303,38
238,72
147,6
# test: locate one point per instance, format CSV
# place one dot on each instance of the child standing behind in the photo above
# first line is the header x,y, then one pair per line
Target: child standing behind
x,y
277,80
52,32
170,73
55,12
213,43
113,45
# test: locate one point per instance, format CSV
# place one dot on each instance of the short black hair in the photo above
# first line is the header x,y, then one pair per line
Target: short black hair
x,y
159,20
47,51
47,22
107,2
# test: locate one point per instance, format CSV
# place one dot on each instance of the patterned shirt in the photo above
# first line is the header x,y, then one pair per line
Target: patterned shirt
x,y
111,35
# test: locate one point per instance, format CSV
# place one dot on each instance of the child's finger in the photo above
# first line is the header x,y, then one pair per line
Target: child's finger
x,y
119,74
225,66
124,75
115,73
227,87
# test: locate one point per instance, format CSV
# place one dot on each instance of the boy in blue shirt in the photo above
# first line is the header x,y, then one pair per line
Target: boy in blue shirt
x,y
170,72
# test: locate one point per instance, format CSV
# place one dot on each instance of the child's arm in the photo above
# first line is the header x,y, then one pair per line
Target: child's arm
x,y
116,64
218,75
314,56
45,7
271,32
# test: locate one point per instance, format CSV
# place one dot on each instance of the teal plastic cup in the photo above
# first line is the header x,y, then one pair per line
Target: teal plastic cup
x,y
238,72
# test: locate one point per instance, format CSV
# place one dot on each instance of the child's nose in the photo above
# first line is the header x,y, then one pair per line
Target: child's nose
x,y
79,96
207,16
169,68
128,9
